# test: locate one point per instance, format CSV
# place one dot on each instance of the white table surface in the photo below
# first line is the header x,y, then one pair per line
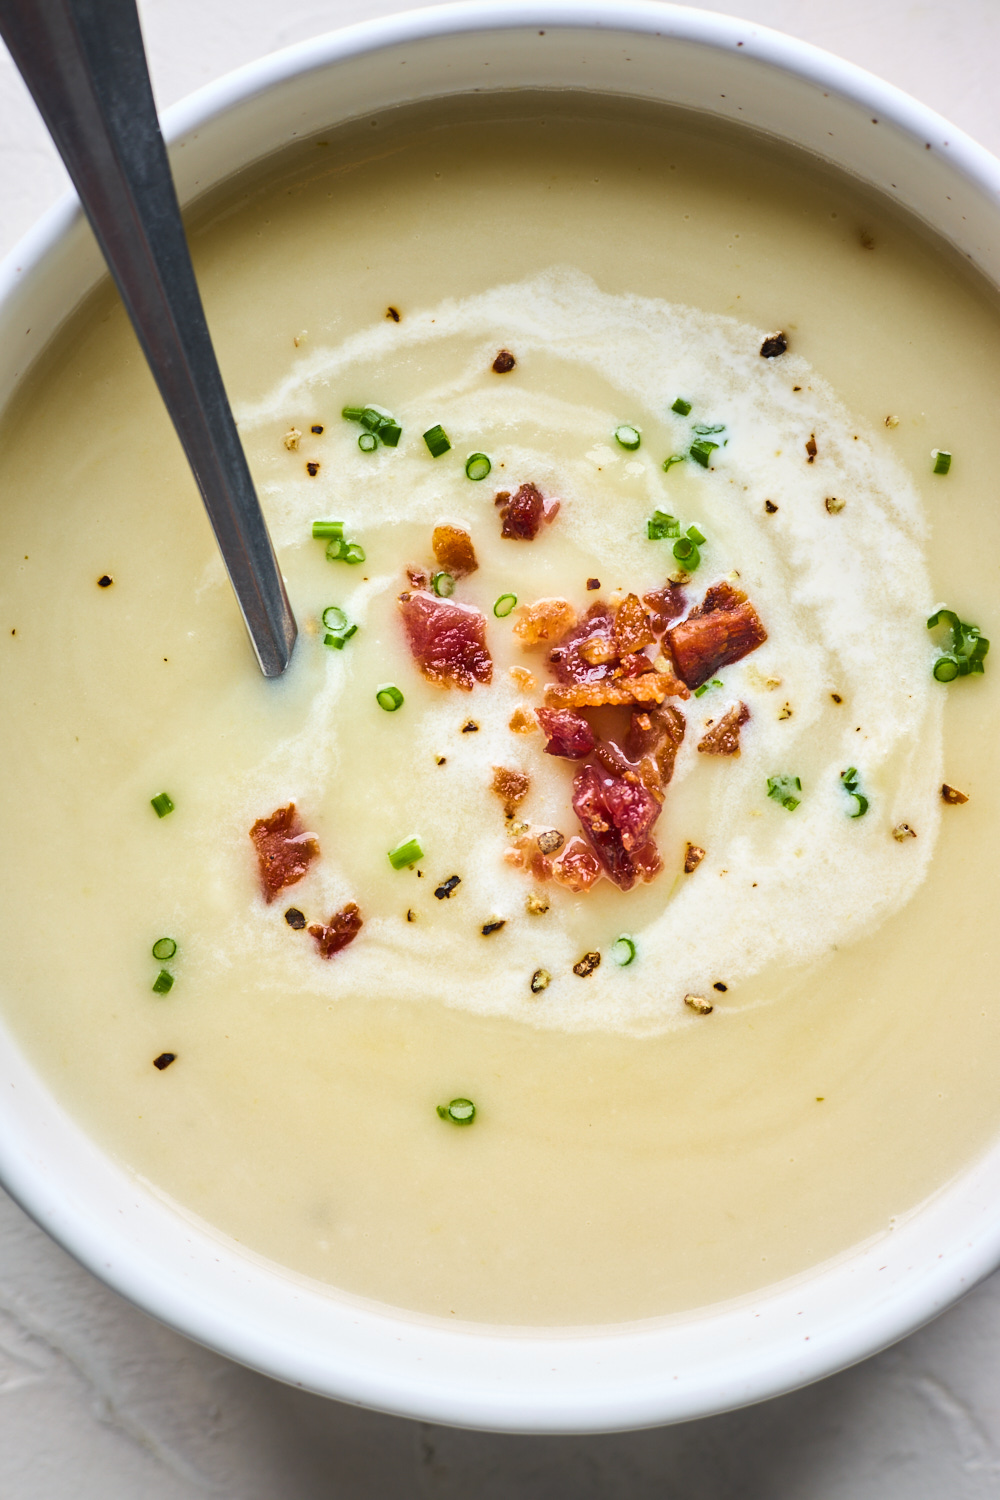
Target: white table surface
x,y
100,1403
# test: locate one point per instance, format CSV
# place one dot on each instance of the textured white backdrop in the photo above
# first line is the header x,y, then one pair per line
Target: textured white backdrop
x,y
100,1403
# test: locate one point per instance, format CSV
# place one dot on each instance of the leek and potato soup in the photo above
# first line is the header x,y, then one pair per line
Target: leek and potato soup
x,y
589,926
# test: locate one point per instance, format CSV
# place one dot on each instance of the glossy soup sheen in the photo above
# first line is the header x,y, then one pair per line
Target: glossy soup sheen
x,y
609,1175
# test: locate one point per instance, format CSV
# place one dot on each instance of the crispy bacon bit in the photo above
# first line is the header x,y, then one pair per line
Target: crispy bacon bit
x,y
567,660
724,736
504,362
770,507
284,850
342,928
522,721
632,626
511,787
545,620
693,856
664,605
551,841
568,733
656,734
724,628
524,679
650,687
811,448
577,866
522,514
617,816
952,795
418,579
593,583
587,964
312,467
448,640
599,651
454,551
295,918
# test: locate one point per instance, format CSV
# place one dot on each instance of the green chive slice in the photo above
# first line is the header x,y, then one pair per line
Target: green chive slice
x,y
406,854
443,584
695,536
668,463
163,983
850,780
623,951
389,697
965,654
161,804
681,407
687,553
942,460
783,788
458,1112
437,440
504,605
322,529
662,526
164,949
368,442
352,553
700,692
334,618
702,451
338,638
628,437
353,413
477,466
704,430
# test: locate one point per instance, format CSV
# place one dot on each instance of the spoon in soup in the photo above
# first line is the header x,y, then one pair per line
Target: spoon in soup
x,y
85,66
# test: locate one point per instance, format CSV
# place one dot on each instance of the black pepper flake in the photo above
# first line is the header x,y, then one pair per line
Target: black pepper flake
x,y
796,388
393,313
770,507
836,698
411,915
588,963
444,890
504,362
316,427
470,726
295,918
593,583
489,927
811,448
164,1060
312,468
440,760
718,985
773,345
105,581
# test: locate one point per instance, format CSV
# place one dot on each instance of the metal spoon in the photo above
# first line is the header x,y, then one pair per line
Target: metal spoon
x,y
84,64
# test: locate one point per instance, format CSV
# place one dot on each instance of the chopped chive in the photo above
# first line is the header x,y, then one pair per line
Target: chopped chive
x,y
477,466
623,951
352,552
687,553
368,442
390,433
339,638
437,440
628,437
374,418
695,535
161,804
458,1112
163,949
702,451
334,618
681,407
965,654
661,526
675,458
443,584
850,780
389,697
504,605
783,788
335,549
705,431
328,529
406,854
353,413
942,461
163,983
700,692
945,670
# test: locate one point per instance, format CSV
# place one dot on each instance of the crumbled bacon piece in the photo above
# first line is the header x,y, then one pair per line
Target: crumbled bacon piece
x,y
522,721
545,620
454,551
656,733
723,738
417,577
650,687
617,817
342,928
595,629
523,514
504,362
632,626
664,605
693,856
510,786
284,850
724,628
635,663
577,866
568,733
448,640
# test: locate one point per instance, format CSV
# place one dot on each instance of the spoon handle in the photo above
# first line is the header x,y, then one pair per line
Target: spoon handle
x,y
84,64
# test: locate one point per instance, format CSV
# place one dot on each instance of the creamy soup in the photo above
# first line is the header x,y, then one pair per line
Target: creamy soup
x,y
779,1034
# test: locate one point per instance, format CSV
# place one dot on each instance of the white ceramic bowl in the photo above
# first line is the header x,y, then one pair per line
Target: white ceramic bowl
x,y
240,1305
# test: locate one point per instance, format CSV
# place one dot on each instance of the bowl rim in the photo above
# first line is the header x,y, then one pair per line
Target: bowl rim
x,y
905,1307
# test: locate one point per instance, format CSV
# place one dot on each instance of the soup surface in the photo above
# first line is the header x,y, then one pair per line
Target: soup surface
x,y
802,1042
